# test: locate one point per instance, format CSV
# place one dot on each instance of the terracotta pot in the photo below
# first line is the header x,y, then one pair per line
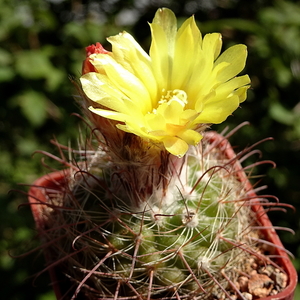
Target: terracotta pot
x,y
38,198
52,183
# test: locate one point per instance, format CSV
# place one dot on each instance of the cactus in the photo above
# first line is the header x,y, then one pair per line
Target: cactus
x,y
186,238
152,208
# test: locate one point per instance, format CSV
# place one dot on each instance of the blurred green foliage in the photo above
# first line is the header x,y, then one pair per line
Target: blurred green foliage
x,y
42,43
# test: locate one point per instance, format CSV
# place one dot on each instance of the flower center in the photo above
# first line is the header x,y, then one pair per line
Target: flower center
x,y
169,117
179,96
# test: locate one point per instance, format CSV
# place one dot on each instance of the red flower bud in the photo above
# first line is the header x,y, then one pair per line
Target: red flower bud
x,y
87,66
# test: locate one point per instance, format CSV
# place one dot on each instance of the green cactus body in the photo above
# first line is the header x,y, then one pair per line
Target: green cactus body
x,y
174,244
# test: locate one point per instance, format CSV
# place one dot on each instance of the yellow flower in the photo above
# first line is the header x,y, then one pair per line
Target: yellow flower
x,y
171,95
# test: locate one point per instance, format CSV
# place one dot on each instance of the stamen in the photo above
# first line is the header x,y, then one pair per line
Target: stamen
x,y
179,96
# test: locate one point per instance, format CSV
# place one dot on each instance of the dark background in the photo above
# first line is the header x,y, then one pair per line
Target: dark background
x,y
42,44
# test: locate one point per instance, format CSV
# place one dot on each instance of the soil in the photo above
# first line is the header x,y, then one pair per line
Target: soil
x,y
257,280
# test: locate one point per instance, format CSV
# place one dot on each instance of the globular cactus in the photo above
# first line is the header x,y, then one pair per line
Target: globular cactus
x,y
185,238
154,207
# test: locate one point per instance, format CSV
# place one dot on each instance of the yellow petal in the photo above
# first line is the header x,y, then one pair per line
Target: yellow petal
x,y
99,88
217,111
188,115
125,48
212,44
109,114
191,137
176,146
188,39
170,111
201,79
228,87
128,53
163,31
242,93
126,82
155,122
166,19
161,64
135,129
210,82
236,57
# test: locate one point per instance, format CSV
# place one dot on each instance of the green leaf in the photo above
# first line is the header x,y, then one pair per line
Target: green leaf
x,y
33,64
6,74
281,114
34,107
